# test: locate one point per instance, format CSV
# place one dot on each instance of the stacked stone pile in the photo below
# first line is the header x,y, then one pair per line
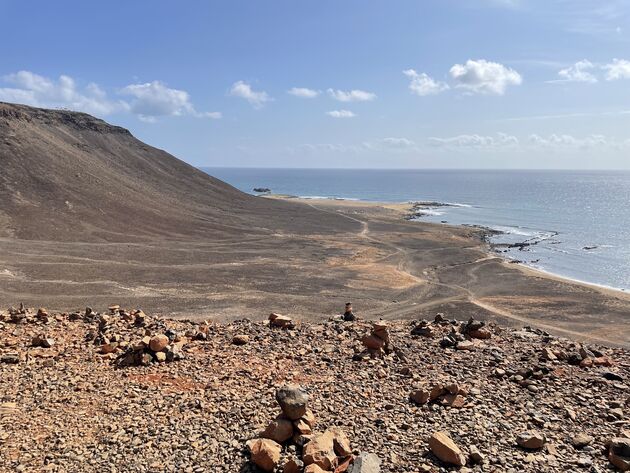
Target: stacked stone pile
x,y
290,443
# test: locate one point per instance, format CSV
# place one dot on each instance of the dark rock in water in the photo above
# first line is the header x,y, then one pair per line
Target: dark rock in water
x,y
293,401
262,190
589,248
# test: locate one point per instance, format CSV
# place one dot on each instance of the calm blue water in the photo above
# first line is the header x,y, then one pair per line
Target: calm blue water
x,y
581,219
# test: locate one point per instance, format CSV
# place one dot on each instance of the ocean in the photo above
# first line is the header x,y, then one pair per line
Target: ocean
x,y
575,224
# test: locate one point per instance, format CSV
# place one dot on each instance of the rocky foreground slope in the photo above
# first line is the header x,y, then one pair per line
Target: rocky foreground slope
x,y
123,391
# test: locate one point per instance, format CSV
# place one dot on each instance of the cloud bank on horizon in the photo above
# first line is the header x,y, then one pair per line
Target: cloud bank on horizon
x,y
514,83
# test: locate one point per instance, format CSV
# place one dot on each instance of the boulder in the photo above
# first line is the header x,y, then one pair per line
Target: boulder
x,y
313,468
619,453
341,443
481,333
476,457
531,440
265,453
465,345
240,340
320,451
301,427
279,430
446,450
373,342
421,396
42,341
366,463
159,342
293,401
309,418
548,354
293,465
280,321
581,440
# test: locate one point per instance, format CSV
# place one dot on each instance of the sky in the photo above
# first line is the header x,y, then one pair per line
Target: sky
x,y
337,83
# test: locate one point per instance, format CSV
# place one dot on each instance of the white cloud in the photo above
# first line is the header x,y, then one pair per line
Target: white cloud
x,y
244,90
618,69
578,72
154,99
501,140
352,95
484,77
303,92
150,100
341,114
38,91
569,141
326,148
423,85
398,143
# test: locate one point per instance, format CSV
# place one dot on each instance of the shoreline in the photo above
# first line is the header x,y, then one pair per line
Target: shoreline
x,y
410,206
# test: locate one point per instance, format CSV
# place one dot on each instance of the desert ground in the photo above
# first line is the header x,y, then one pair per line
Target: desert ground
x,y
386,266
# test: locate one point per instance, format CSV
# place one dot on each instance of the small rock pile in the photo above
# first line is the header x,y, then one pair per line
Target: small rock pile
x,y
306,451
377,343
463,339
157,348
451,394
116,338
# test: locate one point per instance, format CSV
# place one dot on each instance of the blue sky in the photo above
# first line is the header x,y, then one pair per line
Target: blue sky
x,y
331,83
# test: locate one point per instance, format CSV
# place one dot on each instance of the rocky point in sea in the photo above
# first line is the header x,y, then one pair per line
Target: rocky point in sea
x,y
116,389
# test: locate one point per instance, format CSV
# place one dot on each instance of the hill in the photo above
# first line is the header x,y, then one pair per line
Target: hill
x,y
68,176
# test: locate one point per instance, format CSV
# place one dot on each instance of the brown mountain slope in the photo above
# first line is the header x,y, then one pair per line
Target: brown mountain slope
x,y
68,176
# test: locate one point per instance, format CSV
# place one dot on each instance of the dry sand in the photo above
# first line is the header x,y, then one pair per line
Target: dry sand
x,y
387,266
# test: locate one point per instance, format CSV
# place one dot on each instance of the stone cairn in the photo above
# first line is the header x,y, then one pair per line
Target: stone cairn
x,y
377,342
152,347
305,450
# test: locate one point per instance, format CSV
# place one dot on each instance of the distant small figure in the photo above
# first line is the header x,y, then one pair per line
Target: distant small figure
x,y
348,315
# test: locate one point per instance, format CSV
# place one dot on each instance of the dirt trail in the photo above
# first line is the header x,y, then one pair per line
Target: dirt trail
x,y
463,292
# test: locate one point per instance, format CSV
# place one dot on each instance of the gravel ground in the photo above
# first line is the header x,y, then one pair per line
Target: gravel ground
x,y
70,408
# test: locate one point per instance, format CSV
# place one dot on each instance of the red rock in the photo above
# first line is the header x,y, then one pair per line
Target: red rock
x,y
302,427
240,340
454,400
446,450
281,321
436,392
465,345
421,396
480,333
159,342
548,354
373,342
314,469
320,451
265,453
341,443
603,361
586,363
279,430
